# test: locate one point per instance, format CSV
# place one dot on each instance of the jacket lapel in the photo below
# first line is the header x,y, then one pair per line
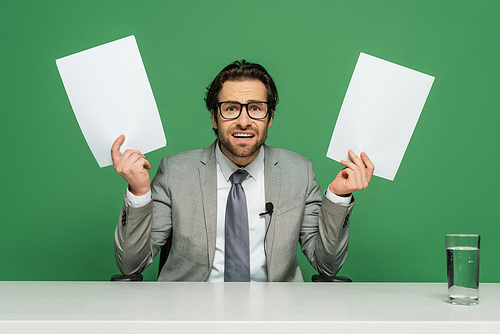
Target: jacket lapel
x,y
208,183
272,179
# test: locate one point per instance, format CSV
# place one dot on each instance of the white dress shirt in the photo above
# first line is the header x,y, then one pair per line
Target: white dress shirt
x,y
254,187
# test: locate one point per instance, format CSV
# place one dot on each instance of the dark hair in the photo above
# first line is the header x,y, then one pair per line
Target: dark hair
x,y
237,71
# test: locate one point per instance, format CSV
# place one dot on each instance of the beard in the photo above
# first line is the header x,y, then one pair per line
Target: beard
x,y
242,150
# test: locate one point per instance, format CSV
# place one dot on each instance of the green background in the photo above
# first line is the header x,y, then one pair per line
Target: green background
x,y
59,209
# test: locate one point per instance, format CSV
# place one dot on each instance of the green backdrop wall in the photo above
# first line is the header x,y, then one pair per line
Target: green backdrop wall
x,y
59,209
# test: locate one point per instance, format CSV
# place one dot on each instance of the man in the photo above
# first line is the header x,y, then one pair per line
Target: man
x,y
194,196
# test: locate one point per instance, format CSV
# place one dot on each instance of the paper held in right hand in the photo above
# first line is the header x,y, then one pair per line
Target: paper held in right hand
x,y
379,113
110,95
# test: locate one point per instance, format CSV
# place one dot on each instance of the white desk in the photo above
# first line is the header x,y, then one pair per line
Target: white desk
x,y
147,307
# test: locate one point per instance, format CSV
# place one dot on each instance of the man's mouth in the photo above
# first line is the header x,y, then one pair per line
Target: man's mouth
x,y
243,135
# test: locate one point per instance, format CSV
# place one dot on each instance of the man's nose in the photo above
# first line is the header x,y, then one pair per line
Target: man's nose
x,y
244,120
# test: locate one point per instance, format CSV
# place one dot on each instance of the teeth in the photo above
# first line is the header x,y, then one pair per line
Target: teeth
x,y
243,135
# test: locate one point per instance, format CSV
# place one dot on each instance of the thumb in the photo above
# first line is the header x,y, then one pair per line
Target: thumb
x,y
115,148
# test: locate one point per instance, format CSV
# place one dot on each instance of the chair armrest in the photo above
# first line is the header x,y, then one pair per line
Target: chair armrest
x,y
127,278
335,279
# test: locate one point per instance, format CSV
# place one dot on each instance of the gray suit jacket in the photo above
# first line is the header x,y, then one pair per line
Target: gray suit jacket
x,y
184,204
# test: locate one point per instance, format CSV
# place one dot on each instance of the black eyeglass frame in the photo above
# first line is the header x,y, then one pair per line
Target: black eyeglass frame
x,y
246,108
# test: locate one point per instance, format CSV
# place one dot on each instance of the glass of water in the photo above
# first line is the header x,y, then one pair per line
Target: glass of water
x,y
462,260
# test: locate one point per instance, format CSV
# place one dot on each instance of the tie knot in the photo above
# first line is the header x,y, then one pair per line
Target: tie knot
x,y
239,176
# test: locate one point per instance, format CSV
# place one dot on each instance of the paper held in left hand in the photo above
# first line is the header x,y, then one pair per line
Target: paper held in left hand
x,y
110,94
379,113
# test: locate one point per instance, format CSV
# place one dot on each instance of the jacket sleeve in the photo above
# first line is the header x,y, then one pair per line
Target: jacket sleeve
x,y
141,232
324,235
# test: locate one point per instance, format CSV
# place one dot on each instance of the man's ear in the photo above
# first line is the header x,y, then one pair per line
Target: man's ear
x,y
214,119
270,119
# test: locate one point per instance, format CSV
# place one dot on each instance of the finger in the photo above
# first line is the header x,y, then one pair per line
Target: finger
x,y
357,160
130,157
115,148
137,173
147,165
348,174
369,165
139,165
130,152
362,168
342,185
349,164
356,177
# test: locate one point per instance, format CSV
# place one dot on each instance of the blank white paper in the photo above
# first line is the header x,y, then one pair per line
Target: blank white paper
x,y
379,113
110,94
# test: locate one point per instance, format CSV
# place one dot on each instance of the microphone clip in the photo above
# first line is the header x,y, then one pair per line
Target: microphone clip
x,y
269,209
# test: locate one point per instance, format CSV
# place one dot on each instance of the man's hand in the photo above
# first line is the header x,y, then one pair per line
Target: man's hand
x,y
356,176
131,165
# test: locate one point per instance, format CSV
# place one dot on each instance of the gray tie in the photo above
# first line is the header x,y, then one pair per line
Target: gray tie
x,y
237,250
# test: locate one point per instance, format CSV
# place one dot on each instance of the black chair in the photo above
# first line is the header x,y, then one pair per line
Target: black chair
x,y
127,278
165,250
330,279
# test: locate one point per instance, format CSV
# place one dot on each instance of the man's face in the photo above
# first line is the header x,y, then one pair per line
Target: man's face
x,y
241,138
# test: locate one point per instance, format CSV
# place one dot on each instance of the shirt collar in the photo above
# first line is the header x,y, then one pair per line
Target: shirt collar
x,y
228,167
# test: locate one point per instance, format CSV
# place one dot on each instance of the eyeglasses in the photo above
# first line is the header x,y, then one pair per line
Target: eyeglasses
x,y
232,109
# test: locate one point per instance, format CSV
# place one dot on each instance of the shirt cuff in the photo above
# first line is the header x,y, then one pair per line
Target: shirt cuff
x,y
134,201
345,201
